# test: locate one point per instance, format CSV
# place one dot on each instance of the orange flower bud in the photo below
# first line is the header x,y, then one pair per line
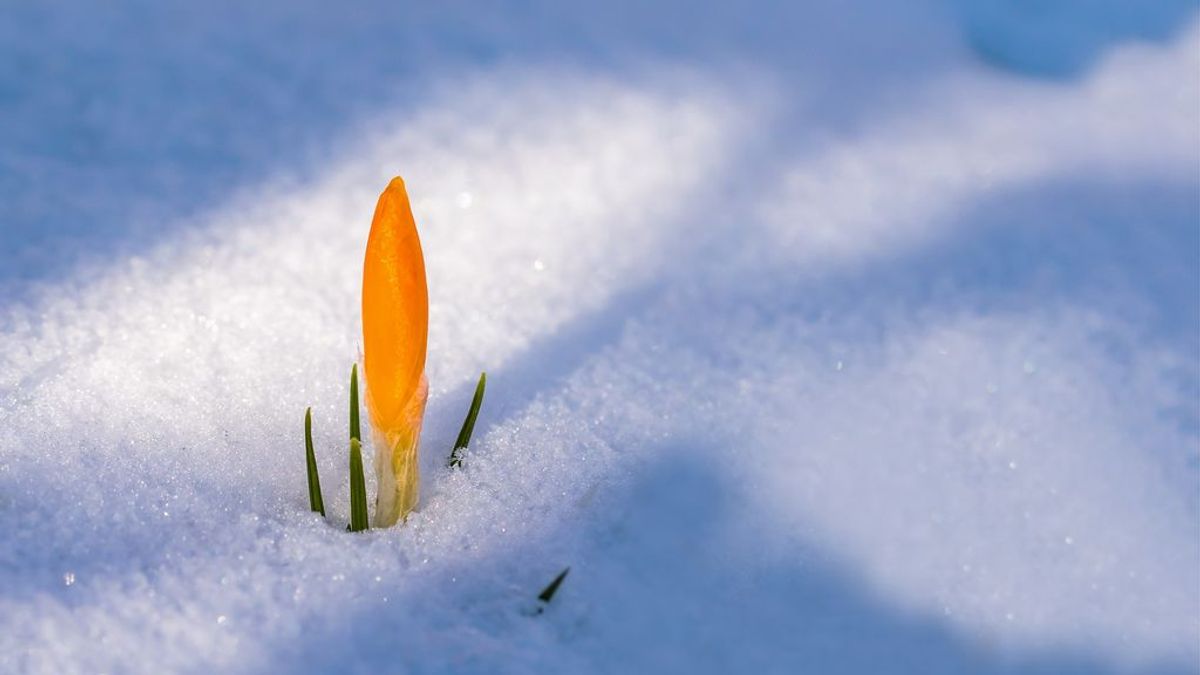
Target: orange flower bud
x,y
395,317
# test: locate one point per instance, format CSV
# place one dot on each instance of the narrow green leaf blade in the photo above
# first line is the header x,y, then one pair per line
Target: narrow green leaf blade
x,y
354,429
315,502
358,488
548,592
468,427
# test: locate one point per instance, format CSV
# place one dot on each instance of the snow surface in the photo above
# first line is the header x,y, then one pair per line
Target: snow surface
x,y
820,339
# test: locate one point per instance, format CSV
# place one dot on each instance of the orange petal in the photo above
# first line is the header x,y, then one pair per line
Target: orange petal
x,y
395,310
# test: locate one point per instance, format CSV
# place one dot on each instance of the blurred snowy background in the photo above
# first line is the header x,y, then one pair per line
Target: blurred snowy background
x,y
822,337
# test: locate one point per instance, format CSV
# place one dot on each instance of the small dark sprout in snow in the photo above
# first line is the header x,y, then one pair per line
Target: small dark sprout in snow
x,y
548,592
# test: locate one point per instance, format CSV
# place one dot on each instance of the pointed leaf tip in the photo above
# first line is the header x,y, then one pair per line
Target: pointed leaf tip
x,y
315,501
355,429
468,426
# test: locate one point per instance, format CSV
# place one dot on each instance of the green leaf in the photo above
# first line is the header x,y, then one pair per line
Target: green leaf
x,y
468,427
315,502
354,429
358,489
549,591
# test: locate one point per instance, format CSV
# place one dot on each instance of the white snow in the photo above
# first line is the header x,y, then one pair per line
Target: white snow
x,y
818,339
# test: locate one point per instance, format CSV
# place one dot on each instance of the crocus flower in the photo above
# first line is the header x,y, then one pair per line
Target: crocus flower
x,y
395,317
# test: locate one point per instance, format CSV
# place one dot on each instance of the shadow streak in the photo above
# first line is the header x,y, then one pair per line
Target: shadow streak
x,y
654,588
122,127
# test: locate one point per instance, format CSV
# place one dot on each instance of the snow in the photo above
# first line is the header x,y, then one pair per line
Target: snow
x,y
818,339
